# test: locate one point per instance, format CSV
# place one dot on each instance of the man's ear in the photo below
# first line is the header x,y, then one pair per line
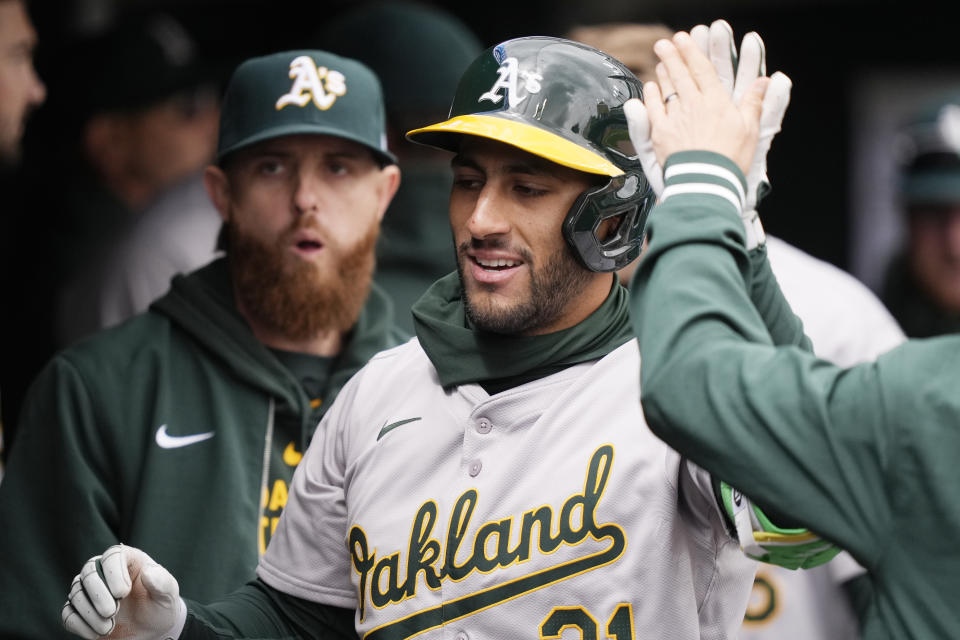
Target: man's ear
x,y
389,183
218,189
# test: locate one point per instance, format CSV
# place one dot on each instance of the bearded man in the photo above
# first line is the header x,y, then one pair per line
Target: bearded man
x,y
179,430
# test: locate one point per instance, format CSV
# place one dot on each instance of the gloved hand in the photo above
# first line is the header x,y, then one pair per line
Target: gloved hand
x,y
758,185
762,540
125,591
716,42
736,72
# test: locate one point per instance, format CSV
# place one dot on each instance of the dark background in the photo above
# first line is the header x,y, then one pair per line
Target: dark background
x,y
822,46
827,48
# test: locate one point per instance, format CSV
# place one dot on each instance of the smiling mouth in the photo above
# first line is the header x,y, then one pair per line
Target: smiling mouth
x,y
498,264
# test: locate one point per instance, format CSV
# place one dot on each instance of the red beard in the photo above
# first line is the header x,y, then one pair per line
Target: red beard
x,y
295,297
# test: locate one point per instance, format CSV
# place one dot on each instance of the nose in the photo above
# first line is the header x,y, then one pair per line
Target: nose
x,y
307,193
38,91
488,216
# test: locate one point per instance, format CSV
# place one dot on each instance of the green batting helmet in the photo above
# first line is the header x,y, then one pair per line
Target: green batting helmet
x,y
562,101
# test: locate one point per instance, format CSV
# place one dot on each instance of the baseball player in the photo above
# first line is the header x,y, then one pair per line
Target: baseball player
x,y
867,455
494,478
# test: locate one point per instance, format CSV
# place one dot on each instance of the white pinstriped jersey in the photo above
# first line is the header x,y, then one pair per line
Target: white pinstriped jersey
x,y
545,511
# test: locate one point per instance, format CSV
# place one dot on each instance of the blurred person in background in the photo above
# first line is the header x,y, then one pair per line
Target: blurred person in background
x,y
922,285
177,233
180,430
419,53
150,121
847,325
133,112
21,90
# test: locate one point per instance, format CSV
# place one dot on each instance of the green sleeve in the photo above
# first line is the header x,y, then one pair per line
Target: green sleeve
x,y
793,432
784,326
257,610
57,507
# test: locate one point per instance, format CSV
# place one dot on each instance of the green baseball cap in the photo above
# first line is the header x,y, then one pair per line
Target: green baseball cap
x,y
303,92
929,146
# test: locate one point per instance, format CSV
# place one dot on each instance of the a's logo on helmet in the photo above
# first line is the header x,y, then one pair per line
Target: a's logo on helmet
x,y
508,80
321,85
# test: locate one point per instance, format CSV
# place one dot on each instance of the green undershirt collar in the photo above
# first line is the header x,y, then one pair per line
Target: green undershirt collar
x,y
463,355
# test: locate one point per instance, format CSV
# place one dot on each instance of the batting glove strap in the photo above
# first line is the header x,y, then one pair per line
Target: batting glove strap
x,y
762,540
754,235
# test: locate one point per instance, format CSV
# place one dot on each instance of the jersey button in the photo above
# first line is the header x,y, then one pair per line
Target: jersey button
x,y
462,636
484,426
474,468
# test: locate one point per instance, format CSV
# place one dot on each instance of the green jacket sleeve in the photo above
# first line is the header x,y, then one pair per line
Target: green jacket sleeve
x,y
56,504
796,434
257,610
785,328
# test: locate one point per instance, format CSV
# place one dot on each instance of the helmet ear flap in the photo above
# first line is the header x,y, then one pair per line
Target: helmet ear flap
x,y
629,197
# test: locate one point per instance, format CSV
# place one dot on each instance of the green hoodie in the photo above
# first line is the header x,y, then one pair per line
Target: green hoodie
x,y
176,432
866,456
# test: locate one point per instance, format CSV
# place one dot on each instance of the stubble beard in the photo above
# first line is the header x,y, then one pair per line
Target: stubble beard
x,y
296,298
552,287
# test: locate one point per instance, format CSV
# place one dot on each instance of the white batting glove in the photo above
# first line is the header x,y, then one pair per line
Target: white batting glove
x,y
126,592
771,116
736,71
716,42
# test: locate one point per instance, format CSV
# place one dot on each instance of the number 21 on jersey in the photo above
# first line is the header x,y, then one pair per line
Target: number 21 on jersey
x,y
619,627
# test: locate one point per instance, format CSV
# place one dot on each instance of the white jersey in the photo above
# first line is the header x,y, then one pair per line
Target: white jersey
x,y
847,325
544,508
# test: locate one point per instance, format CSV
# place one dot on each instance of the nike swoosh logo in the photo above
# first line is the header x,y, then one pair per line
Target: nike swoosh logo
x,y
393,425
166,441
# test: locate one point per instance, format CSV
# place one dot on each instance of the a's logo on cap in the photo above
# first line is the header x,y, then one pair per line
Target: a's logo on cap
x,y
508,80
321,85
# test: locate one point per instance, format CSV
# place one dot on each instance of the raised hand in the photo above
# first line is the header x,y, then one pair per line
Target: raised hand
x,y
736,71
701,114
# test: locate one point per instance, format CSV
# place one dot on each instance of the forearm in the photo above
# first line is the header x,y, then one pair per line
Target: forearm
x,y
782,323
257,610
714,387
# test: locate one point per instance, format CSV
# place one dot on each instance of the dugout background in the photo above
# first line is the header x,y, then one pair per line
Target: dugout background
x,y
857,67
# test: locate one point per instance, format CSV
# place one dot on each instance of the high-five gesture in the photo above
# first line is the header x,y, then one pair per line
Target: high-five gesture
x,y
690,109
737,71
